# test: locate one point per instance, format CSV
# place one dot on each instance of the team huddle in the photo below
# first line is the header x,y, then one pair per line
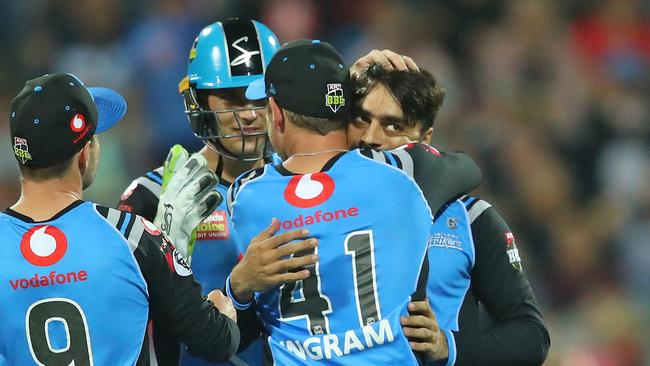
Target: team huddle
x,y
316,226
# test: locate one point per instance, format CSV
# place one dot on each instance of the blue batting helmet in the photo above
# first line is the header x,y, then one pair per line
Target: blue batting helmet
x,y
229,54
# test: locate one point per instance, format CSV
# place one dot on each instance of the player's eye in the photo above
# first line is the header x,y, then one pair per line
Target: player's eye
x,y
360,121
393,127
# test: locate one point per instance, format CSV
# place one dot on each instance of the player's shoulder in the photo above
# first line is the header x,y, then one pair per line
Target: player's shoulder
x,y
243,180
403,158
387,159
475,206
130,226
249,176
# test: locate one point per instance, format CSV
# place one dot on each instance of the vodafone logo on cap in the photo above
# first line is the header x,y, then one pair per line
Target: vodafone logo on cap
x,y
43,245
309,190
77,122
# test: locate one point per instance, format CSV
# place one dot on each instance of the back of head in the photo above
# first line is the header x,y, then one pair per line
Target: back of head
x,y
225,56
52,119
418,93
308,79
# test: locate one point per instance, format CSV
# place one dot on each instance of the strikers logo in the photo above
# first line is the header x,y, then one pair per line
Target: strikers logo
x,y
309,190
245,55
43,245
21,149
214,227
334,97
181,267
513,252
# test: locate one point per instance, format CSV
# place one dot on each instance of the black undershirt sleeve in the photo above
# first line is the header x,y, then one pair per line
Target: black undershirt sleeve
x,y
176,301
250,326
141,201
144,203
517,334
443,177
420,293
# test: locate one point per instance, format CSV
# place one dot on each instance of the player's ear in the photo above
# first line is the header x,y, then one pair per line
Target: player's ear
x,y
426,136
84,157
277,117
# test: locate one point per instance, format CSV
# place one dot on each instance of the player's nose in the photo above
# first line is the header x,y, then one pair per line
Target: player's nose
x,y
372,137
248,116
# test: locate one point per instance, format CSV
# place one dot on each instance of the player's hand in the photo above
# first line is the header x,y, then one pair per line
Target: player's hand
x,y
388,59
269,261
223,303
421,328
188,197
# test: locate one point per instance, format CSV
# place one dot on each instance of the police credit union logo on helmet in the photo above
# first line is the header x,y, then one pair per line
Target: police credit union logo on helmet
x,y
225,55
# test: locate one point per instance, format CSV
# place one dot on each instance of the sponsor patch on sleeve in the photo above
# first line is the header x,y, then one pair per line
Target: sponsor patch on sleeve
x,y
512,251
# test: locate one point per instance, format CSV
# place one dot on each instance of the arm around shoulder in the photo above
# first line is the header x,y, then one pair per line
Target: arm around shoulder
x,y
518,335
175,300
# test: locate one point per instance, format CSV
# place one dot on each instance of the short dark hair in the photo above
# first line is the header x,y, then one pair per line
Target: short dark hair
x,y
317,124
418,93
58,170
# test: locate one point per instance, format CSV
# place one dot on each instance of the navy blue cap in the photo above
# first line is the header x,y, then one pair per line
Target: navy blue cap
x,y
54,115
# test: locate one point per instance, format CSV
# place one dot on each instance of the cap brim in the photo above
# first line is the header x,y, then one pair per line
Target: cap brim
x,y
256,90
111,107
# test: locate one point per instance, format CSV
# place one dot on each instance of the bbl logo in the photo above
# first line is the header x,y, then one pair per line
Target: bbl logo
x,y
21,149
334,97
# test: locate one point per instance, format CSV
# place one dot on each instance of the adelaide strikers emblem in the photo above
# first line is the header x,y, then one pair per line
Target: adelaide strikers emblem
x,y
334,97
245,55
43,245
21,149
309,190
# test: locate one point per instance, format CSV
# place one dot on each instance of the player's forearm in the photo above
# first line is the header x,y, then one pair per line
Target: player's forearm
x,y
241,289
197,322
250,327
518,342
518,335
140,201
217,340
443,176
176,301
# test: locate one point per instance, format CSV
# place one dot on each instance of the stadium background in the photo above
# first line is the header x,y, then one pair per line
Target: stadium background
x,y
552,98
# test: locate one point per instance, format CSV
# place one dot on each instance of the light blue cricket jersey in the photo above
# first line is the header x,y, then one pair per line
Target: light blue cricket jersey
x,y
373,224
71,290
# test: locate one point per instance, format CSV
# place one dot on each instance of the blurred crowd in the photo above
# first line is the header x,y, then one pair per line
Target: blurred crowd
x,y
551,97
